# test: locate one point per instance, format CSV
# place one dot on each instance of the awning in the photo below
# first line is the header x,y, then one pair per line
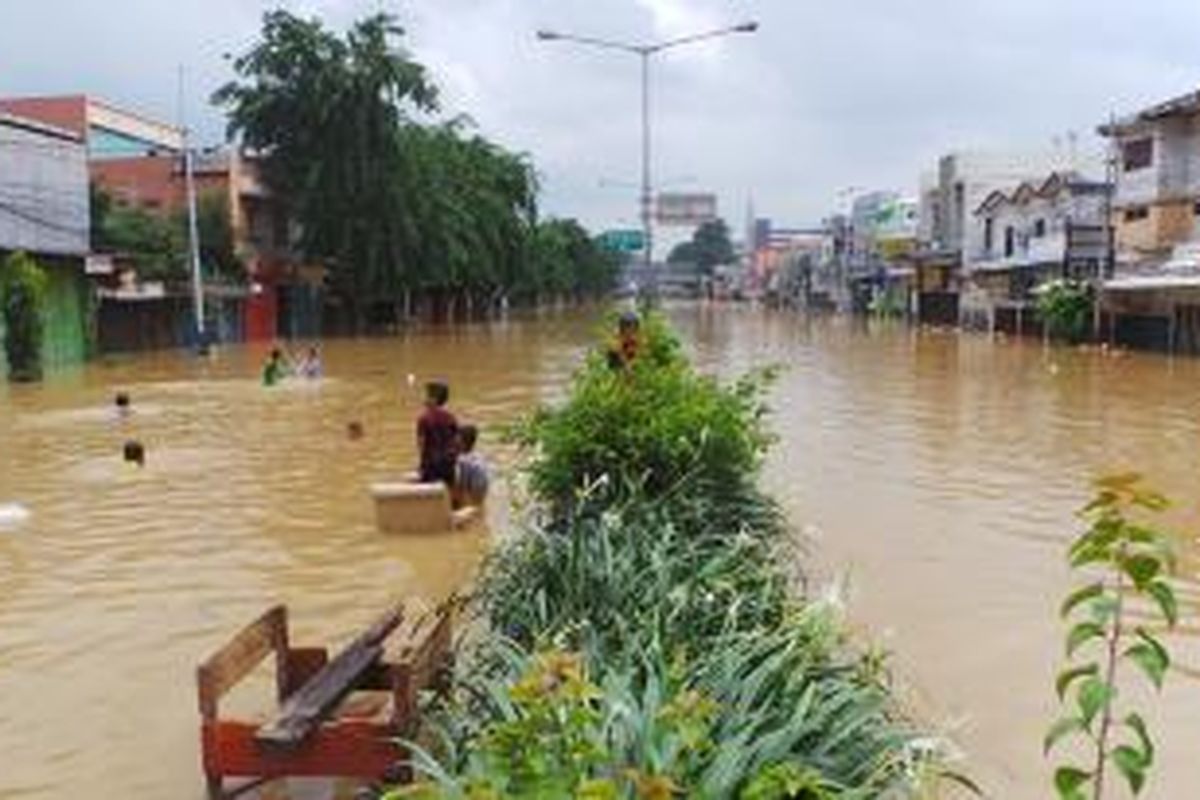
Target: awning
x,y
1135,283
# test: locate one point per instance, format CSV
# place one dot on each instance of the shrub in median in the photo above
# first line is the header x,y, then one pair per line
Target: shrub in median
x,y
644,640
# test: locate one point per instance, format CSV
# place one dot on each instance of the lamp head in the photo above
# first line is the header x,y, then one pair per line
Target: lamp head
x,y
747,27
548,36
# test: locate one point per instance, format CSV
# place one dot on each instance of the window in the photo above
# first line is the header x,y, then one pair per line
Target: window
x,y
1010,241
1039,229
1137,214
1137,154
989,234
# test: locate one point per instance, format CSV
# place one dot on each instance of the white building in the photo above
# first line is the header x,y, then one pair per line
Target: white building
x,y
960,185
1026,235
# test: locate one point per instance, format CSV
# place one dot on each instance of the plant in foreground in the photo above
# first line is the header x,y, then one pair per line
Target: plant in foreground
x,y
1134,561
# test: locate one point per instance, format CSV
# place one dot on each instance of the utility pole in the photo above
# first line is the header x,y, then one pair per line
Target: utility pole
x,y
645,51
647,199
189,178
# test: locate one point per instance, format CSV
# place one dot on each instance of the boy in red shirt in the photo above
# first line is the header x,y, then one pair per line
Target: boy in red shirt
x,y
437,436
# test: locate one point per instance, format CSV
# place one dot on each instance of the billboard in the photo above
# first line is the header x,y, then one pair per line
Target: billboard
x,y
685,208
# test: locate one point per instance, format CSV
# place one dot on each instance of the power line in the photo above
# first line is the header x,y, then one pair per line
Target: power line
x,y
33,219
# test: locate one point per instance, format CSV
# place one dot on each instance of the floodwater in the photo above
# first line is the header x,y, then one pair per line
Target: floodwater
x,y
935,476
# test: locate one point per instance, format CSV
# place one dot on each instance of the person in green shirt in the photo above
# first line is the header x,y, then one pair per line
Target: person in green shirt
x,y
276,368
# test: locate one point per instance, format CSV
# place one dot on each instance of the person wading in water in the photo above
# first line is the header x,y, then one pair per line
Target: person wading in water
x,y
625,349
437,436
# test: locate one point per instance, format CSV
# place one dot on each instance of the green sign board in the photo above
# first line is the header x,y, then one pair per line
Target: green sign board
x,y
623,241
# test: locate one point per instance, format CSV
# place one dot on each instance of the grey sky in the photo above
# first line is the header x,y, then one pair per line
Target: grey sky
x,y
826,96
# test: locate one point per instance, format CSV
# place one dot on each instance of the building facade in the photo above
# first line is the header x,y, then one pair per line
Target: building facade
x,y
44,212
1154,299
139,162
1027,235
1156,205
947,235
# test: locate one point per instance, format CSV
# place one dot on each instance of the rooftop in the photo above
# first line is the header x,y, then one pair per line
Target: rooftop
x,y
1184,105
33,125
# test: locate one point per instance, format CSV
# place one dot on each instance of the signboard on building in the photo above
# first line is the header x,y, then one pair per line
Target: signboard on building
x,y
628,240
685,208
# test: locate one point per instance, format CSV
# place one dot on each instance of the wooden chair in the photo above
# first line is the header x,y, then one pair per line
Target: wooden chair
x,y
319,730
404,507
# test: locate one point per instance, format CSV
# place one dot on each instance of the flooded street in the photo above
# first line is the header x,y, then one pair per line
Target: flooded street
x,y
936,474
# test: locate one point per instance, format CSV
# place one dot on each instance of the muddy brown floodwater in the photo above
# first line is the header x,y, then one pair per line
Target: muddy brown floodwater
x,y
936,476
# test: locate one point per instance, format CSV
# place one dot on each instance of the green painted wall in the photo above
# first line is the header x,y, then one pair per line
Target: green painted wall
x,y
64,341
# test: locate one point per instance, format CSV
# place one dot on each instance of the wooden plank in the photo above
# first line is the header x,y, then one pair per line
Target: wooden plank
x,y
239,657
309,705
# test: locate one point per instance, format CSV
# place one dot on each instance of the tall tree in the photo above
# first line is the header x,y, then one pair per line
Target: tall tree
x,y
326,112
711,245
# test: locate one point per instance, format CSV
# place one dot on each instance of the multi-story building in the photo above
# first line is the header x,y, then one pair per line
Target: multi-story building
x,y
44,212
1028,234
107,131
139,162
946,236
1154,299
1156,205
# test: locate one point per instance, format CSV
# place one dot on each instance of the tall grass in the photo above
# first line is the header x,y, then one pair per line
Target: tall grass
x,y
645,636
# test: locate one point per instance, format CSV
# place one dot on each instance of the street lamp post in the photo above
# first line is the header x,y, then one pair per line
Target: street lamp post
x,y
644,52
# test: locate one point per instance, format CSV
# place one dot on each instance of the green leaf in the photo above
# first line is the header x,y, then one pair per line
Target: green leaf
x,y
1069,676
1151,500
1094,695
1164,595
1151,656
1068,781
1135,723
1129,761
961,780
1088,552
1060,730
1080,596
1141,569
1081,634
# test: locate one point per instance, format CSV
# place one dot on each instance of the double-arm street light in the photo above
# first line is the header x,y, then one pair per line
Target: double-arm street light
x,y
645,51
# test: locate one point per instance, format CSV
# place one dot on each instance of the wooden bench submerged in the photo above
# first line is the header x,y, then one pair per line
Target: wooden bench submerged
x,y
322,727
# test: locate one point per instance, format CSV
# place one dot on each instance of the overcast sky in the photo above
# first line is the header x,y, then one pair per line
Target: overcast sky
x,y
826,96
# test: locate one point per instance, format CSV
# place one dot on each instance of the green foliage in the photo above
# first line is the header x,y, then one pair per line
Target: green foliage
x,y
709,247
1133,562
890,302
23,287
563,736
214,227
647,428
156,244
694,670
326,111
391,205
1066,308
566,260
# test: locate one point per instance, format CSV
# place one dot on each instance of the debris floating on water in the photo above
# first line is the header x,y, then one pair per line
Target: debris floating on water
x,y
12,515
